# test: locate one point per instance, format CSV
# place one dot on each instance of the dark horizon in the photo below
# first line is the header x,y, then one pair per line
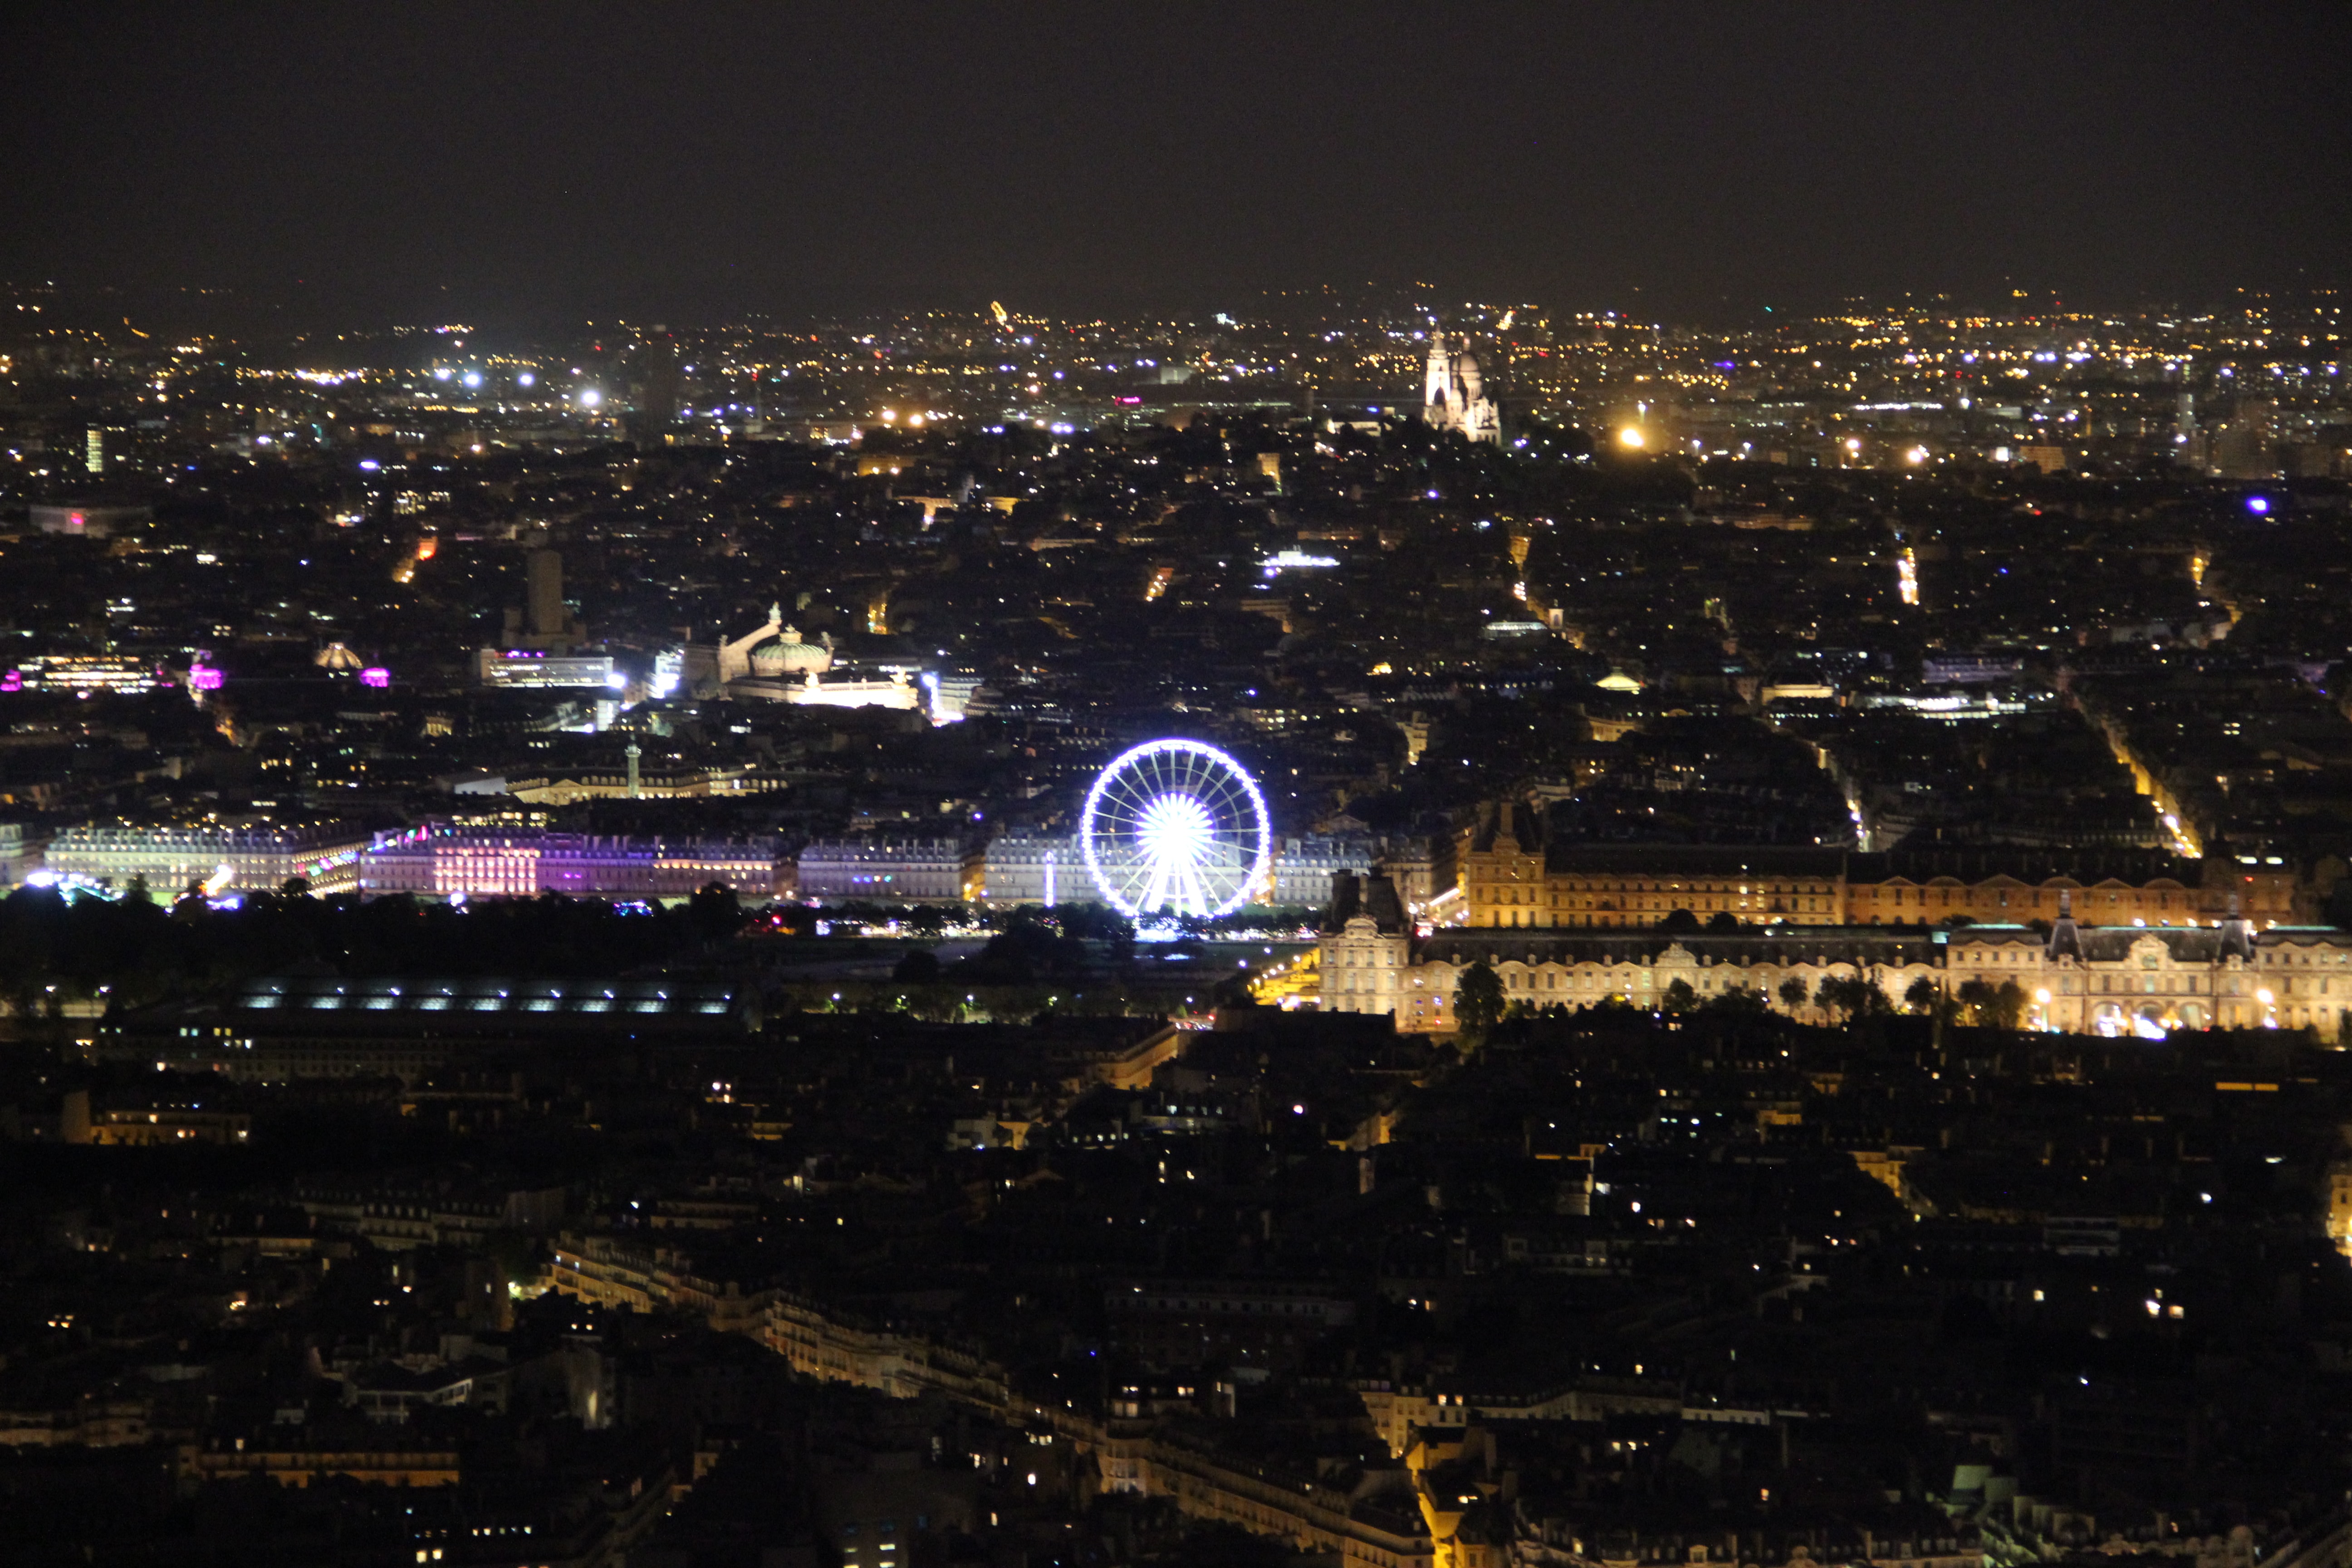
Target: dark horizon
x,y
1697,162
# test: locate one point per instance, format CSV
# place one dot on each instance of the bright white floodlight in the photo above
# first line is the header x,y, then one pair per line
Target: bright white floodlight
x,y
1176,825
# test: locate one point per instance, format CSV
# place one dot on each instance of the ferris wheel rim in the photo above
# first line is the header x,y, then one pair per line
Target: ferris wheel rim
x,y
1248,837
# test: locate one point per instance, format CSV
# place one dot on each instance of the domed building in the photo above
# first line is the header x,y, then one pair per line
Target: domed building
x,y
773,651
789,656
1454,392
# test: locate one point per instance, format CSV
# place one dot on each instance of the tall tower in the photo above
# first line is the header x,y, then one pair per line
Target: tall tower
x,y
2188,443
660,386
543,622
1437,384
546,594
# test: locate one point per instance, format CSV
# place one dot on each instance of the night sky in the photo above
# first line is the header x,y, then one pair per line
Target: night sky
x,y
545,163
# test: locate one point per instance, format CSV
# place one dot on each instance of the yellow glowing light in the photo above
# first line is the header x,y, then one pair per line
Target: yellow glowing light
x,y
1916,455
890,416
1853,444
1631,438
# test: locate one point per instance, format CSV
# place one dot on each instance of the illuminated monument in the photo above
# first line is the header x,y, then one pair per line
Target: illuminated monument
x,y
1179,828
1454,392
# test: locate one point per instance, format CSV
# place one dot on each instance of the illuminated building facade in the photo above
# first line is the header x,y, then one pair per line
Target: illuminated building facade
x,y
1509,877
20,853
667,785
1453,390
892,690
443,861
149,1124
326,855
2105,980
928,870
76,672
2110,980
1021,870
526,669
1304,868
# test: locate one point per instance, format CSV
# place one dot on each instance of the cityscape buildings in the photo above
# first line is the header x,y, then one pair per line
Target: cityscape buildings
x,y
1076,786
557,1007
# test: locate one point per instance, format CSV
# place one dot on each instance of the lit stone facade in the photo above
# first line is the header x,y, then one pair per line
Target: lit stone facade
x,y
2120,980
1303,867
1509,877
1453,390
929,870
1023,869
442,861
2109,980
326,855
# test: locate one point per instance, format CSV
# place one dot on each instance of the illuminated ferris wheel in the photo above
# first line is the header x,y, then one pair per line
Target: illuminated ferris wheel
x,y
1176,826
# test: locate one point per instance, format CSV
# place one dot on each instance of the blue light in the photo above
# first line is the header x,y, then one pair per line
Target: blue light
x,y
2259,505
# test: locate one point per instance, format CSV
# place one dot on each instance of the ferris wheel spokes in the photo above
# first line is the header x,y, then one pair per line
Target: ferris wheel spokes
x,y
1178,826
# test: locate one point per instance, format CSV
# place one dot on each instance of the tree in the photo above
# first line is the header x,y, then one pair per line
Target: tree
x,y
918,965
1740,1001
1478,999
1976,995
1680,922
1922,995
295,887
1795,992
2009,1006
1853,995
1723,922
715,911
1680,997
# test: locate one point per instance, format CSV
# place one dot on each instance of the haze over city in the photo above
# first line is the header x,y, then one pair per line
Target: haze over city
x,y
356,166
